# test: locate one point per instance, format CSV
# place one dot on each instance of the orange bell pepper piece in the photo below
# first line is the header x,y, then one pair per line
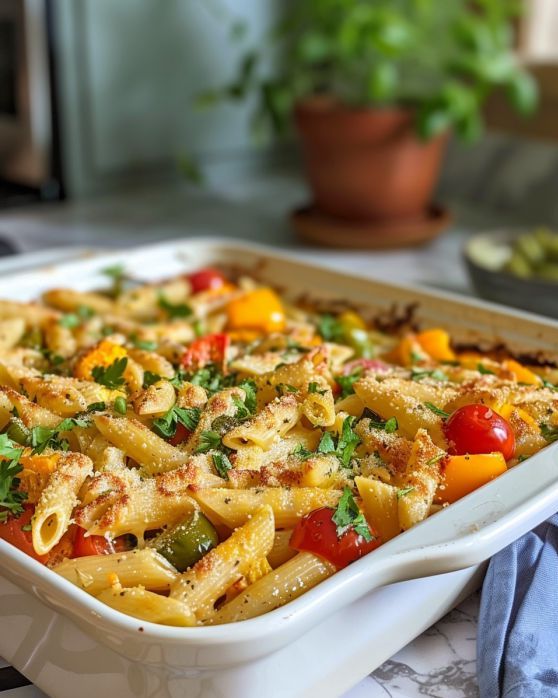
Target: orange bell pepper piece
x,y
520,373
463,474
260,309
436,343
408,352
103,354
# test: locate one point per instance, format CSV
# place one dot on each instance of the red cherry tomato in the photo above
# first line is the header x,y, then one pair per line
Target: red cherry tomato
x,y
478,429
317,533
211,349
12,532
97,545
180,435
206,279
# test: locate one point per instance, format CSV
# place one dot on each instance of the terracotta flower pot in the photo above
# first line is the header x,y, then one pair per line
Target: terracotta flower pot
x,y
367,164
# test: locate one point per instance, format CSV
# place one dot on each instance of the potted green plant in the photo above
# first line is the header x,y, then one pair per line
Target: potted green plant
x,y
376,87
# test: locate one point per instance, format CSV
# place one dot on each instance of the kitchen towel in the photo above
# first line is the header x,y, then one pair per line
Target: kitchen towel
x,y
517,644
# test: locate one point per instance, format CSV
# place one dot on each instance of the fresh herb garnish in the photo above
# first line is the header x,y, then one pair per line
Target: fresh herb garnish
x,y
166,425
143,344
111,376
208,377
117,274
315,388
11,499
432,407
484,371
347,515
174,310
404,491
222,464
73,320
97,407
150,378
390,425
417,374
548,384
550,433
49,437
346,383
250,389
283,388
208,440
302,452
330,328
120,405
347,441
198,328
242,411
435,459
416,357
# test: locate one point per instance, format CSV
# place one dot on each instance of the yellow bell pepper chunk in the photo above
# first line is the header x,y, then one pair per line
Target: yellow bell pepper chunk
x,y
103,354
506,410
256,310
436,343
463,474
36,472
352,321
520,373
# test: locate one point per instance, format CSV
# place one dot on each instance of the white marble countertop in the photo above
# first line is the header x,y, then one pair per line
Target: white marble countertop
x,y
441,662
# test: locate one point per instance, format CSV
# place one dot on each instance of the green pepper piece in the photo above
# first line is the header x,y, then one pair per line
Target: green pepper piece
x,y
17,431
187,542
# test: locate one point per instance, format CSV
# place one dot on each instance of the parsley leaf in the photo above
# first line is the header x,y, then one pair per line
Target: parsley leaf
x,y
174,310
11,499
314,388
117,274
302,452
330,328
96,407
249,387
484,371
208,440
436,459
549,433
49,437
346,442
432,407
548,384
326,444
73,320
346,383
242,411
222,464
417,374
404,491
376,422
150,378
347,515
166,425
282,388
143,344
111,376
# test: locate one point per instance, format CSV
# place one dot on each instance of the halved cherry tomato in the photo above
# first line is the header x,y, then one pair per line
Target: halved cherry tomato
x,y
97,545
479,429
317,533
13,532
206,279
211,349
180,435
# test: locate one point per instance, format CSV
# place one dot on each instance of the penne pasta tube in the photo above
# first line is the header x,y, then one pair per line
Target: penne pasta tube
x,y
93,573
208,580
148,606
281,550
233,507
284,584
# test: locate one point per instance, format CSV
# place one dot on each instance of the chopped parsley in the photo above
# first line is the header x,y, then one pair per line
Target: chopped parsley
x,y
72,320
435,459
222,464
150,378
174,310
347,441
549,433
283,388
549,385
390,425
315,388
249,387
97,407
166,425
484,371
417,374
41,438
143,344
208,377
302,452
347,515
11,499
432,407
404,491
111,376
330,328
117,274
242,411
346,383
208,440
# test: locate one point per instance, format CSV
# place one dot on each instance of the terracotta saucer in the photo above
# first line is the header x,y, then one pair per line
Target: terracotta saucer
x,y
315,227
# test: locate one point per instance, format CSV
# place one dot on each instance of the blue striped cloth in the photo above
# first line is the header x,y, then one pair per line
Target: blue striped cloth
x,y
517,644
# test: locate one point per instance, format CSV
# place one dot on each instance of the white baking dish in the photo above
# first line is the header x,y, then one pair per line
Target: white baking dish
x,y
208,659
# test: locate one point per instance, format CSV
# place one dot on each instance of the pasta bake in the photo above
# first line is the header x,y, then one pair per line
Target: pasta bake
x,y
202,450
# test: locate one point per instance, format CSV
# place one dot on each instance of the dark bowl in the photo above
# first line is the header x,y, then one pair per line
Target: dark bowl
x,y
483,260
